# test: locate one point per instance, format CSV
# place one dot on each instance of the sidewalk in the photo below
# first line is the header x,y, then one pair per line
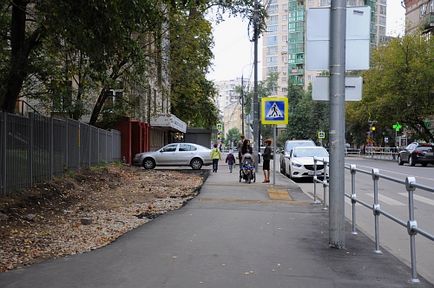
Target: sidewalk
x,y
232,235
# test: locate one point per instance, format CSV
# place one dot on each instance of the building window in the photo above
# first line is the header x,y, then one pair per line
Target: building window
x,y
272,28
155,101
272,40
273,9
272,20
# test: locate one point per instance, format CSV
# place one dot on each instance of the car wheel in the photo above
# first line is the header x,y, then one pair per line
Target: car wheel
x,y
411,161
148,163
400,162
196,163
282,168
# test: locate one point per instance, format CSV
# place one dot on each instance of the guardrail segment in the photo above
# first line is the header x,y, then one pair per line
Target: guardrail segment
x,y
410,224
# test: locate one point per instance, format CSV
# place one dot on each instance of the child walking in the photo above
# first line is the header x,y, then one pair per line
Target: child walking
x,y
230,159
216,155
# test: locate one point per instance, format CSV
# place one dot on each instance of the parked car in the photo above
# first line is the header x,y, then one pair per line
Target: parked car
x,y
175,154
286,153
416,153
301,163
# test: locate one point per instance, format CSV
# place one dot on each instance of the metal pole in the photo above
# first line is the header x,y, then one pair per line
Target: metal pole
x,y
242,105
67,144
412,226
337,124
274,154
376,209
51,147
315,178
90,145
31,146
5,142
353,199
255,84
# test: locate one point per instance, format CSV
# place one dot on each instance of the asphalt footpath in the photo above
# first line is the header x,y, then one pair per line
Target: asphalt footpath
x,y
234,234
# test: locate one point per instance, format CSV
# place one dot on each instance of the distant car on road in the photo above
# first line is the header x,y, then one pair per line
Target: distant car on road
x,y
416,153
175,154
286,153
302,164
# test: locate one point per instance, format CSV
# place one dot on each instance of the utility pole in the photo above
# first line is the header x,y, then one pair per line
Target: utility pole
x,y
337,124
242,105
255,84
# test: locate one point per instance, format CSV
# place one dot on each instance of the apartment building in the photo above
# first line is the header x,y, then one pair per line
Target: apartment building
x,y
229,103
275,44
419,14
284,40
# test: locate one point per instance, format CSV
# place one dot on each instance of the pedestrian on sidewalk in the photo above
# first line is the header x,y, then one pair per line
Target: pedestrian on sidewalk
x,y
239,146
246,148
230,159
267,157
216,155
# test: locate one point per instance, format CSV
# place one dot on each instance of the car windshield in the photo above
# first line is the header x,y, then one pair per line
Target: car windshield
x,y
310,152
291,145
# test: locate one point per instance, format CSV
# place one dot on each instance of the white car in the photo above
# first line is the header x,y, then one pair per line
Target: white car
x,y
285,157
301,162
175,154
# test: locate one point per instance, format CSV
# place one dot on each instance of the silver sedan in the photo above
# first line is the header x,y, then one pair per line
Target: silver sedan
x,y
175,154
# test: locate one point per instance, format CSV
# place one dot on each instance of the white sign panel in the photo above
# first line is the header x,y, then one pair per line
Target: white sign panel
x,y
168,121
353,88
357,41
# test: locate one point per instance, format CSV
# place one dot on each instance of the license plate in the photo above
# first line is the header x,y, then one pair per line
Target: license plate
x,y
429,154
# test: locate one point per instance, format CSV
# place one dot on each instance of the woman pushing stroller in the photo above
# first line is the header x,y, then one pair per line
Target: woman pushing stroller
x,y
247,166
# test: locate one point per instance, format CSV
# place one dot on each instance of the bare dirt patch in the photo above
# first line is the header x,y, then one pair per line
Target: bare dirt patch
x,y
87,209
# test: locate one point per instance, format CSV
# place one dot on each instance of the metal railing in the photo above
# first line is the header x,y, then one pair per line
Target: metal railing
x,y
323,181
410,224
382,153
33,149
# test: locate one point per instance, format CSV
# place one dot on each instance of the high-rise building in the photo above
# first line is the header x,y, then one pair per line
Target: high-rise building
x,y
275,44
419,14
284,40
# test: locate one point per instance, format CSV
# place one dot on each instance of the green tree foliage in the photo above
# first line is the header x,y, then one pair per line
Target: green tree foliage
x,y
101,30
398,88
306,117
232,137
191,93
98,45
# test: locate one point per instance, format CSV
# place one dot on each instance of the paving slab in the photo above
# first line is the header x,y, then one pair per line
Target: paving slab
x,y
232,235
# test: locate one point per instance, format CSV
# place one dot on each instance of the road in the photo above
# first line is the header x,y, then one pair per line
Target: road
x,y
393,199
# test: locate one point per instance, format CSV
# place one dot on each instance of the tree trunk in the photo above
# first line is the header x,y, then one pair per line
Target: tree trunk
x,y
116,71
21,48
98,106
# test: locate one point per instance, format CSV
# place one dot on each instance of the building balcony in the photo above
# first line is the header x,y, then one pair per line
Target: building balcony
x,y
296,71
427,22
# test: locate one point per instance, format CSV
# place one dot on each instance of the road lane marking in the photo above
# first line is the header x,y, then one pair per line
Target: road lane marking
x,y
420,198
388,200
391,171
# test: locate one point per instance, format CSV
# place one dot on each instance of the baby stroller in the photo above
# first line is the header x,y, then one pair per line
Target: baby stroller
x,y
247,169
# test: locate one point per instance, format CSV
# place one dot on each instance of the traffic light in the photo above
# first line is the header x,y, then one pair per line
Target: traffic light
x,y
373,128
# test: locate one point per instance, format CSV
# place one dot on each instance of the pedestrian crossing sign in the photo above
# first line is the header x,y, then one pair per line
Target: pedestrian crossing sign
x,y
274,110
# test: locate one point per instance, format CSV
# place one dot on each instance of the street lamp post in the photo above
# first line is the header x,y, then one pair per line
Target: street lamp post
x,y
255,105
242,105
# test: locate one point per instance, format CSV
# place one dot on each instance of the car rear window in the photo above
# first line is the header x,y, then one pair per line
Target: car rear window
x,y
425,148
186,147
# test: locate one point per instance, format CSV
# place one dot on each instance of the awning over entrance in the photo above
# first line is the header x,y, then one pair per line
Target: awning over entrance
x,y
168,121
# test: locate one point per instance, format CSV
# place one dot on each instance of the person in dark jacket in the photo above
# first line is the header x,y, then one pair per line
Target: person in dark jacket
x,y
230,159
267,157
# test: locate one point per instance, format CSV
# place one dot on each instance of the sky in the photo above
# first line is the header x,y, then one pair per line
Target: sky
x,y
233,52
